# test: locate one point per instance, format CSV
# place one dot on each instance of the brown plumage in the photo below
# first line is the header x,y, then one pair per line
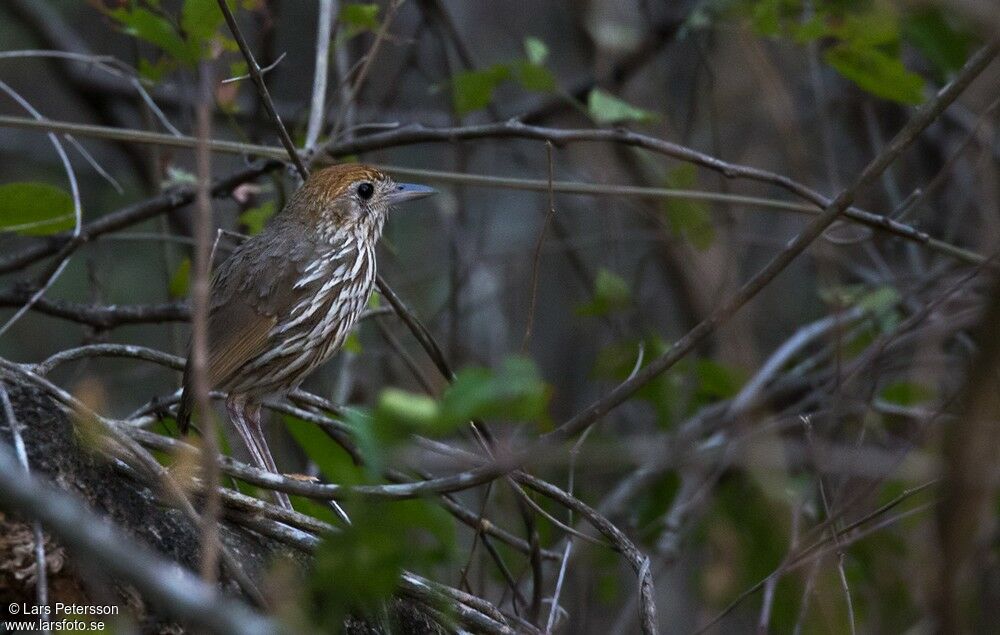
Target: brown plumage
x,y
286,299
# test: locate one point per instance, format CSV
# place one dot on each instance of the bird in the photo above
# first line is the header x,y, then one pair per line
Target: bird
x,y
287,298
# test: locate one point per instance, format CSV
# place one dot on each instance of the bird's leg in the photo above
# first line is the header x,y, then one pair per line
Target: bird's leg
x,y
253,418
246,420
236,407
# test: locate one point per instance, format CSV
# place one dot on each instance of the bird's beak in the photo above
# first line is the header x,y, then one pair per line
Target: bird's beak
x,y
409,192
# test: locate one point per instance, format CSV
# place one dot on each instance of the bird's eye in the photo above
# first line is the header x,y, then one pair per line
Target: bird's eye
x,y
365,190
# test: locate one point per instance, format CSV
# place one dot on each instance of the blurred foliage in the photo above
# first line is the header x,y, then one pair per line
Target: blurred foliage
x,y
357,569
35,209
514,391
687,218
184,40
255,218
745,537
611,293
359,17
880,303
906,393
888,50
863,40
474,90
678,393
180,280
605,108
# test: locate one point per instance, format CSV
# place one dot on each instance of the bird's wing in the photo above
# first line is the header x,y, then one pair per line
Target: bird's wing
x,y
237,333
252,291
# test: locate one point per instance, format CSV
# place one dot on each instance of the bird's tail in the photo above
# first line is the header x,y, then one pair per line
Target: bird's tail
x,y
185,406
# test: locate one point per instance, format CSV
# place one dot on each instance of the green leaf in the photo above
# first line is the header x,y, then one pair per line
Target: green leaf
x,y
536,50
473,90
150,27
154,71
333,461
180,280
611,293
412,410
880,300
717,381
35,209
687,218
357,569
906,393
605,108
767,16
514,392
359,17
944,46
535,77
353,343
617,361
876,72
200,19
811,30
874,28
880,303
238,68
256,217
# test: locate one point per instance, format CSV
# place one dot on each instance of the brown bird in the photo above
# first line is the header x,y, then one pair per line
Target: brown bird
x,y
286,299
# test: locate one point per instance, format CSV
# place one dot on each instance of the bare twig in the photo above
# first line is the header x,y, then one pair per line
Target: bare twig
x,y
111,65
921,119
856,215
258,80
89,158
263,71
200,290
51,275
130,215
317,108
536,258
636,559
99,316
352,93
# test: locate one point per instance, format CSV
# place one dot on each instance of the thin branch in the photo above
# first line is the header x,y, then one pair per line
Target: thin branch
x,y
380,37
111,65
869,219
89,158
105,317
263,71
130,215
921,119
99,316
49,277
638,561
536,258
317,108
200,292
329,491
258,80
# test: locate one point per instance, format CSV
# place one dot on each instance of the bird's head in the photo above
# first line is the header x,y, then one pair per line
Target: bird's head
x,y
350,197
